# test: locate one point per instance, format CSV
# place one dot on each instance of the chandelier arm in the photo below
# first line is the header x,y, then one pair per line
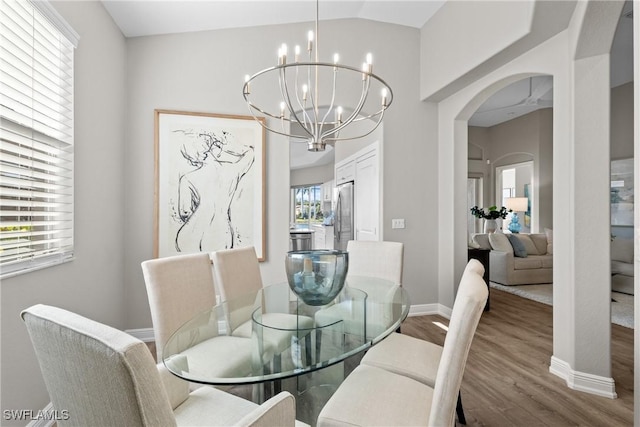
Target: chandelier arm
x,y
313,123
273,130
266,113
359,136
310,122
333,97
302,108
363,97
266,126
284,90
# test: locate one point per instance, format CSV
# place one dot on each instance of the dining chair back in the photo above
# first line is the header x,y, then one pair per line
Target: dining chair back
x,y
370,259
238,279
414,357
394,398
380,259
178,288
465,316
104,376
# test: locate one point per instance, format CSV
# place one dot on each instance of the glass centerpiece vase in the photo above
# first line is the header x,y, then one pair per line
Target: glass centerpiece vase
x,y
317,276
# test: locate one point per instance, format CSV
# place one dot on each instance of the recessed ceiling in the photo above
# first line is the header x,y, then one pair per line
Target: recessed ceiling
x,y
152,17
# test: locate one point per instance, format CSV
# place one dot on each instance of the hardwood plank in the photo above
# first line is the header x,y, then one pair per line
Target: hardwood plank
x,y
507,380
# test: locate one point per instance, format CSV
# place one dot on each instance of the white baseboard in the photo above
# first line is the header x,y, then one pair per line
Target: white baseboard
x,y
429,309
582,381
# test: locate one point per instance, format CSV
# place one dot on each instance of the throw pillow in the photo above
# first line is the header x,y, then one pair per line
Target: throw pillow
x,y
528,244
499,242
518,247
482,240
540,240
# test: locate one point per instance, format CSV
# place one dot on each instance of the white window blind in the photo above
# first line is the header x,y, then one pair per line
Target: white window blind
x,y
36,137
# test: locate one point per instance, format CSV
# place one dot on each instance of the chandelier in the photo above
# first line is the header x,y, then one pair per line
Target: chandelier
x,y
317,100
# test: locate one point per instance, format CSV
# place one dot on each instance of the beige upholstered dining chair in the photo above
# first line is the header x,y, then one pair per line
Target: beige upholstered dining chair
x,y
179,288
371,395
373,259
103,376
238,278
412,357
380,259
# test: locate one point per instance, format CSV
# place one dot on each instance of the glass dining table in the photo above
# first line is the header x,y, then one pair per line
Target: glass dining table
x,y
280,337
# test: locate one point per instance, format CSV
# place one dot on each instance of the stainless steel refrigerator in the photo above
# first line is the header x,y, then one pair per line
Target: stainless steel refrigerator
x,y
343,227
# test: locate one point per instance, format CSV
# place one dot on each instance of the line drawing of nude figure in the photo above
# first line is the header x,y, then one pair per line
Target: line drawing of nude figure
x,y
206,192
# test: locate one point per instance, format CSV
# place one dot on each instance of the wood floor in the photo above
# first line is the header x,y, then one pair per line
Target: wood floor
x,y
507,380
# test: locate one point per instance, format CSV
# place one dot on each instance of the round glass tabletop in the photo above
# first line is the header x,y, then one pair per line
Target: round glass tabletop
x,y
275,335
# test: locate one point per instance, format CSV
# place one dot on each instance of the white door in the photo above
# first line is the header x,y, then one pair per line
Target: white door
x,y
367,208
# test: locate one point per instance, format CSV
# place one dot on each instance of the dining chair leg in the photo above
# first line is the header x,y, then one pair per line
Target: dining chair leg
x,y
460,411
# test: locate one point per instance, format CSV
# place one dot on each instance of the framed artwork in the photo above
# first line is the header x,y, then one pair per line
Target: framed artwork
x,y
209,183
622,192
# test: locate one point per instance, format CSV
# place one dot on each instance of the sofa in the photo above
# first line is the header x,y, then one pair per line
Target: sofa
x,y
518,259
622,265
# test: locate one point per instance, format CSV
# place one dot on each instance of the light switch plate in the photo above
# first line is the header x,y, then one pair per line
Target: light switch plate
x,y
397,223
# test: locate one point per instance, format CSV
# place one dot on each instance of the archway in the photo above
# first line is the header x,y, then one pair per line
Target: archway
x,y
581,347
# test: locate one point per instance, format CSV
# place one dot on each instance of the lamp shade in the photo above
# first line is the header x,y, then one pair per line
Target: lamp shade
x,y
517,204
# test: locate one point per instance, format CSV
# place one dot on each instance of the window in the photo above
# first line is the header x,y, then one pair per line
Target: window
x,y
36,137
307,206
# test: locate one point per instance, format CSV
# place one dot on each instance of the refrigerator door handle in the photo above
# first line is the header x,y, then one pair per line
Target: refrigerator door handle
x,y
338,217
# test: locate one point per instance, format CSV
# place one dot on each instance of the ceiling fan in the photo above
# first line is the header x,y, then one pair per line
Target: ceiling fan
x,y
532,102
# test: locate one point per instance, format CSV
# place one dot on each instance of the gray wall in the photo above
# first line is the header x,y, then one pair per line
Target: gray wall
x,y
92,284
622,121
312,175
204,72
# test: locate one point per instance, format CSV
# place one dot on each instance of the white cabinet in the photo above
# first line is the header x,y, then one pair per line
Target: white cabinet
x,y
363,169
327,191
367,190
345,172
322,237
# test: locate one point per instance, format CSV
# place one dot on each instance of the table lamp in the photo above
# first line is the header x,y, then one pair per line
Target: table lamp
x,y
516,204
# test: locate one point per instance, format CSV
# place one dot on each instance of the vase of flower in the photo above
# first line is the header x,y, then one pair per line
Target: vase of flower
x,y
490,226
491,217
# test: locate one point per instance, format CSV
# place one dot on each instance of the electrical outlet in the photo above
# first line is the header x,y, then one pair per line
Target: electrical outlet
x,y
397,223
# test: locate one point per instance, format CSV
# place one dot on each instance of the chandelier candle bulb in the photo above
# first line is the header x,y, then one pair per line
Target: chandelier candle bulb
x,y
247,86
339,114
384,97
310,41
283,54
369,63
282,107
297,53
